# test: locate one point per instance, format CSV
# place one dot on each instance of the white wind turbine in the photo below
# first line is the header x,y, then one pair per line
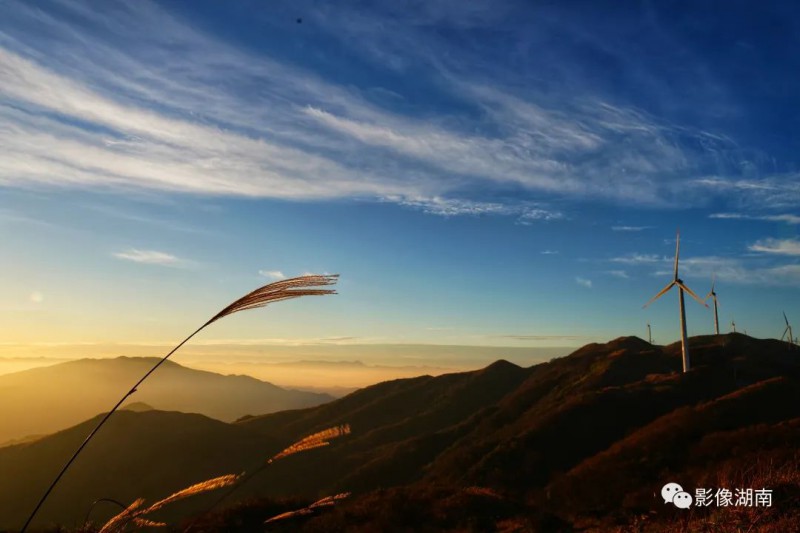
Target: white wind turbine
x,y
787,330
713,295
681,288
733,326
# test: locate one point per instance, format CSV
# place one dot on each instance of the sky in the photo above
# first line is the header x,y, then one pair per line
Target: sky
x,y
488,173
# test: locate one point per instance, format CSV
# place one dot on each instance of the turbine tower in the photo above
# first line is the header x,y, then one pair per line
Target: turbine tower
x,y
649,334
733,326
787,330
713,295
681,288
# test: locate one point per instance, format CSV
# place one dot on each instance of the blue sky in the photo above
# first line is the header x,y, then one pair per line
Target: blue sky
x,y
500,173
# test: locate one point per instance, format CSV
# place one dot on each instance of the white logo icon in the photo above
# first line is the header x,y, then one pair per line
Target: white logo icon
x,y
682,500
669,491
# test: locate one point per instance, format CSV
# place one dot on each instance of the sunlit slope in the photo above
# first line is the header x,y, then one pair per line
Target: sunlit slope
x,y
44,400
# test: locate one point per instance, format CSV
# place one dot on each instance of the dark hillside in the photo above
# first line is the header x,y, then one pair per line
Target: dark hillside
x,y
499,448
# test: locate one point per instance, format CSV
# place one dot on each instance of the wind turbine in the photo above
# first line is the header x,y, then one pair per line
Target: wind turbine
x,y
713,295
733,326
681,288
649,334
787,330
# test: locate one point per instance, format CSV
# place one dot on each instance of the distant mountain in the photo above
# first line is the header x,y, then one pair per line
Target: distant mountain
x,y
584,441
44,400
137,406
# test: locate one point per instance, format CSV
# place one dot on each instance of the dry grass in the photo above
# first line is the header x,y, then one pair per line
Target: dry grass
x,y
134,514
317,440
118,522
198,488
327,501
280,290
144,522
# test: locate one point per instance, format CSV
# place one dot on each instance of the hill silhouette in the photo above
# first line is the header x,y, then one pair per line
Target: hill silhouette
x,y
582,441
47,399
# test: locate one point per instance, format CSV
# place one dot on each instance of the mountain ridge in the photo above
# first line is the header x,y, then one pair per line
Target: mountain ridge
x,y
43,400
519,433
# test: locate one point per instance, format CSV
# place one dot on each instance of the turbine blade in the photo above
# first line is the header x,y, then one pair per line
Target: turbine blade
x,y
709,295
691,292
660,294
785,319
713,282
677,251
784,333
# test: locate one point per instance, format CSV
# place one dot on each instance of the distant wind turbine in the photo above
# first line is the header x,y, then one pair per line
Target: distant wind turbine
x,y
733,326
787,330
681,288
649,334
713,295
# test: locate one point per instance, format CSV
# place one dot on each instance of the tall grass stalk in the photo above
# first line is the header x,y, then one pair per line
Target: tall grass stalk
x,y
123,517
327,501
315,440
274,292
210,484
321,438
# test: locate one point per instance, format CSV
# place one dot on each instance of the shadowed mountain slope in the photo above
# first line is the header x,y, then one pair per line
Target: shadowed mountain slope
x,y
48,399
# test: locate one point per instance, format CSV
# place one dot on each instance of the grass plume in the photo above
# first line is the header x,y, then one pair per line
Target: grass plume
x,y
144,522
273,292
119,521
134,513
280,290
317,440
204,486
327,501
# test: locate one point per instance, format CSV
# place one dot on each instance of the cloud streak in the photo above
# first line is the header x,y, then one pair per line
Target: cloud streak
x,y
630,228
148,257
525,213
272,274
777,246
785,218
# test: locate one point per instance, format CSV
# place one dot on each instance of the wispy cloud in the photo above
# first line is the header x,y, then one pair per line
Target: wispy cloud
x,y
583,282
148,257
630,228
618,274
639,259
540,337
75,121
272,274
779,191
737,270
776,246
549,252
453,207
786,218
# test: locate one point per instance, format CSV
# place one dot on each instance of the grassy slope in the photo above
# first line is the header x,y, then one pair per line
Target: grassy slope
x,y
503,443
